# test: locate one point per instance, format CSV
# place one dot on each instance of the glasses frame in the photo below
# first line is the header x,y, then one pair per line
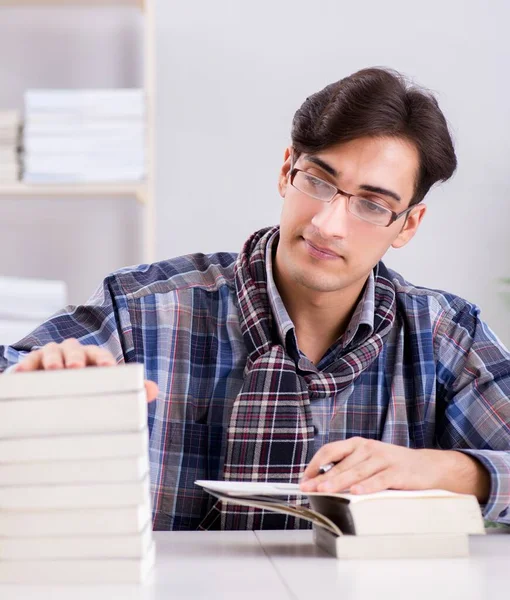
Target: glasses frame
x,y
394,215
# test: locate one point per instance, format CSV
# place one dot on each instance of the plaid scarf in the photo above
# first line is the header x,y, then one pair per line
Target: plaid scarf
x,y
270,434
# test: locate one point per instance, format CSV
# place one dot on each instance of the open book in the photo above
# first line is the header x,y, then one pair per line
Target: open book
x,y
385,524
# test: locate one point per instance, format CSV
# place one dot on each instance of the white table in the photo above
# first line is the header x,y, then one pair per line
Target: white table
x,y
286,565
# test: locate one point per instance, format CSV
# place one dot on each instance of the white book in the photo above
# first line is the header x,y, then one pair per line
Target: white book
x,y
99,470
103,176
47,127
93,570
74,448
86,163
93,495
78,414
31,298
63,383
391,512
75,521
131,545
91,145
54,99
432,545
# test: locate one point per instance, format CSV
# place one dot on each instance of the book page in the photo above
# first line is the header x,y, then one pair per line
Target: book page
x,y
300,512
254,488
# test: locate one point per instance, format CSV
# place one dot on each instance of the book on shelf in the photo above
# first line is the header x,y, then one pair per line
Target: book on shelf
x,y
30,299
389,524
130,144
81,127
84,136
57,99
124,160
105,176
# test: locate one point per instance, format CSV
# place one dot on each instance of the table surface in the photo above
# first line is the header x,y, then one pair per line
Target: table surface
x,y
286,564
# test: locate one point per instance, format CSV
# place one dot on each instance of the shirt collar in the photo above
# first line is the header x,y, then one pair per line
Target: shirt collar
x,y
360,327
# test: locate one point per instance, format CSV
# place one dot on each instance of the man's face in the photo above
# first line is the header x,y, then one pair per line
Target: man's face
x,y
354,246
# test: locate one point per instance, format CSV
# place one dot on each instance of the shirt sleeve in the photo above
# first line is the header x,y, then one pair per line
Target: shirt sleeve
x,y
102,321
473,399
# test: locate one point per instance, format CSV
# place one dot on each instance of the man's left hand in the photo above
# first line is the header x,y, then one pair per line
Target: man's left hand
x,y
365,466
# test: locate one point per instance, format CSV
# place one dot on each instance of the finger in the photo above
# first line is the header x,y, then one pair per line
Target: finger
x,y
359,454
152,390
99,357
30,362
359,473
52,357
333,452
377,483
73,354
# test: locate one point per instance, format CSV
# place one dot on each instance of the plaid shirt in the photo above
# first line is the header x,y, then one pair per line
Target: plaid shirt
x,y
442,379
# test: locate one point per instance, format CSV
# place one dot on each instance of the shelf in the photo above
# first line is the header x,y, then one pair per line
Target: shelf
x,y
85,3
79,189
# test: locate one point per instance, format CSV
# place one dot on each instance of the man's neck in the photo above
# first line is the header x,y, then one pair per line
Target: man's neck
x,y
319,318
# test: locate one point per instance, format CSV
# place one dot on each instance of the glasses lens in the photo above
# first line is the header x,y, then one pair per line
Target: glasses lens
x,y
313,186
370,211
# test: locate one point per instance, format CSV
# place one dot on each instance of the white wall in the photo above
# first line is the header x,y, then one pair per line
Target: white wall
x,y
75,239
231,75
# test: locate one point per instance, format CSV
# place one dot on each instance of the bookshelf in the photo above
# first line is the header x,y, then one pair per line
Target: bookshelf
x,y
143,192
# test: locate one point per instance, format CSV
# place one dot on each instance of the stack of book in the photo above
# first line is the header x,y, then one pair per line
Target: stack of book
x,y
10,127
388,524
74,477
25,303
84,136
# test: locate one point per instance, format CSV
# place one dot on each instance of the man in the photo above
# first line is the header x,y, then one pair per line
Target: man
x,y
305,349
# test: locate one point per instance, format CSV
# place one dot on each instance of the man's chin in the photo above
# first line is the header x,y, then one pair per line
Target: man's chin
x,y
319,283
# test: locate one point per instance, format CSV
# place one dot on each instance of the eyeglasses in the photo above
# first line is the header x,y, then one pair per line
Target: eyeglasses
x,y
360,207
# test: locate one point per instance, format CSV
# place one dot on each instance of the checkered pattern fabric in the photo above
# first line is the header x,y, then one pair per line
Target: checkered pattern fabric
x,y
441,380
270,435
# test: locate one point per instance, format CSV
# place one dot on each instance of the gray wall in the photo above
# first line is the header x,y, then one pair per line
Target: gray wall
x,y
231,75
78,240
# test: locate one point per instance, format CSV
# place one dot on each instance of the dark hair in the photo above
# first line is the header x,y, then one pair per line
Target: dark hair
x,y
378,102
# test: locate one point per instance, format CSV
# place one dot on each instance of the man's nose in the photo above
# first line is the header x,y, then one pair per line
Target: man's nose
x,y
332,219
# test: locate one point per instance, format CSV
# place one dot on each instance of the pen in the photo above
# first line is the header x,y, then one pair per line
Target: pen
x,y
325,468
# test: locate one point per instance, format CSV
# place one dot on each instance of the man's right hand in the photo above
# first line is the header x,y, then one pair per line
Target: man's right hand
x,y
70,354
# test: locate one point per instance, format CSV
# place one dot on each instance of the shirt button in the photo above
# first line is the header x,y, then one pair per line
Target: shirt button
x,y
503,513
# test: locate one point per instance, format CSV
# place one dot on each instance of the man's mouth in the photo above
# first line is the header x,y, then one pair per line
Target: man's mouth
x,y
320,252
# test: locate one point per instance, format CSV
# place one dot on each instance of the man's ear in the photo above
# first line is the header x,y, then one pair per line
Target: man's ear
x,y
410,227
283,177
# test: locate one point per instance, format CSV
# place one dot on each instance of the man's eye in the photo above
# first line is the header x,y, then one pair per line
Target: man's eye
x,y
369,206
315,183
